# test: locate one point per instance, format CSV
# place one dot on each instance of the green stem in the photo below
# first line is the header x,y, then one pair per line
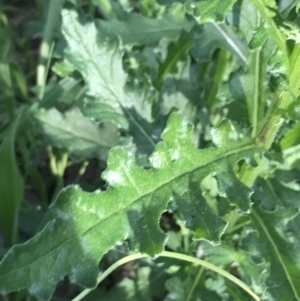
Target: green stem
x,y
81,171
257,85
218,76
197,279
179,256
113,267
47,44
232,293
58,165
272,122
239,226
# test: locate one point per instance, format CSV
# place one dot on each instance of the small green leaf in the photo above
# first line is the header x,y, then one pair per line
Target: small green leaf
x,y
239,18
176,288
209,10
213,36
285,7
63,69
177,51
291,138
138,288
55,93
225,255
268,10
83,138
98,61
95,109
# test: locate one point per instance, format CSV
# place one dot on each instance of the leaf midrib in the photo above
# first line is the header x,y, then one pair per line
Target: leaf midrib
x,y
230,42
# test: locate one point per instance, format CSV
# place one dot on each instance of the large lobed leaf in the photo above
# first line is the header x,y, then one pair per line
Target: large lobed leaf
x,y
86,225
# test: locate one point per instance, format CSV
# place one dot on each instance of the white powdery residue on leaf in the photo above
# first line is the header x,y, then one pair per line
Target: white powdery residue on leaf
x,y
60,214
3,292
157,160
216,137
74,275
35,289
74,187
93,210
183,130
101,213
50,226
175,153
114,178
84,208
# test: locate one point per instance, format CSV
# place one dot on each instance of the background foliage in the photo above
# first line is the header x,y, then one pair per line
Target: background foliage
x,y
144,126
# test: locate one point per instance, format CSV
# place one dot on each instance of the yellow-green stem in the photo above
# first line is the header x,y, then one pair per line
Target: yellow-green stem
x,y
178,256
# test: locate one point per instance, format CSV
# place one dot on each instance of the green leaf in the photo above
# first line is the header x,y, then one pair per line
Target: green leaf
x,y
268,10
291,31
251,87
239,17
283,282
273,193
137,29
180,94
213,36
87,225
11,185
83,138
225,256
176,288
285,7
291,138
177,51
54,93
63,69
100,63
276,194
209,10
139,100
95,109
132,289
